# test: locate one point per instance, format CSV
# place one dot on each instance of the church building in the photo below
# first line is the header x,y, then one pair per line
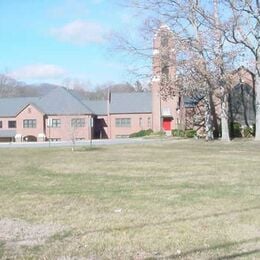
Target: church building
x,y
62,115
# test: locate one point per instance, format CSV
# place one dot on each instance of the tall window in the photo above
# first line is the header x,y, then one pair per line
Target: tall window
x,y
149,122
165,40
165,71
77,122
29,123
11,124
1,124
123,122
140,122
56,123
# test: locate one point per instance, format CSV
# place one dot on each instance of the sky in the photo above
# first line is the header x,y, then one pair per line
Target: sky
x,y
53,40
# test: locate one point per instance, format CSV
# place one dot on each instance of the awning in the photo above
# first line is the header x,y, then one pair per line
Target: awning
x,y
167,116
7,133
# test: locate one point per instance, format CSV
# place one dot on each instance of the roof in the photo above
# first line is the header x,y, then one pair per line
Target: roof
x,y
98,106
7,133
10,107
123,103
190,102
137,102
61,101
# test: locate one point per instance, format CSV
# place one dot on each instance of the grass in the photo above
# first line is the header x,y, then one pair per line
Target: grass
x,y
182,199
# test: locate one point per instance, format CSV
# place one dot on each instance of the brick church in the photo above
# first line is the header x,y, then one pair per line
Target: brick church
x,y
62,115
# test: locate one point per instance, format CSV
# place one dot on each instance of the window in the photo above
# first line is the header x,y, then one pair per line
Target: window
x,y
165,40
1,124
77,122
56,123
11,124
140,122
165,71
29,123
123,122
149,122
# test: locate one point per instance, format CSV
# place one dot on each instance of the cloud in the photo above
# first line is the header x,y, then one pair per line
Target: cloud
x,y
80,32
38,71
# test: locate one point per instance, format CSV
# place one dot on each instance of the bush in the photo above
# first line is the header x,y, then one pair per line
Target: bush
x,y
178,133
190,133
249,131
141,133
235,129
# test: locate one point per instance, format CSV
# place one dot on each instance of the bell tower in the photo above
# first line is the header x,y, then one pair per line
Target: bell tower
x,y
165,99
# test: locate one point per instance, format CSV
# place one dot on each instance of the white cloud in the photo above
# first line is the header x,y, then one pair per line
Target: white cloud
x,y
38,71
80,32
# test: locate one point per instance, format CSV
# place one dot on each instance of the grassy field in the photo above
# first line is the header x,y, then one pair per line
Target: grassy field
x,y
167,200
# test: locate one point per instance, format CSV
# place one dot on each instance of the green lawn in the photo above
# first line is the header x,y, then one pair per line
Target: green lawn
x,y
171,199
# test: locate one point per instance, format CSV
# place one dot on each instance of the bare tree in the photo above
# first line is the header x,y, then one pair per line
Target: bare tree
x,y
244,29
202,53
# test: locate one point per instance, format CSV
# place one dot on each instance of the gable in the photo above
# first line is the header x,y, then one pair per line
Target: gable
x,y
30,109
61,102
10,107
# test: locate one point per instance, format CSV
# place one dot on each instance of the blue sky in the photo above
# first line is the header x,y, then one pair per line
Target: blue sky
x,y
51,40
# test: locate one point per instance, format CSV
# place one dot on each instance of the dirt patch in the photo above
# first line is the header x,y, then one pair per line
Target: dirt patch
x,y
15,233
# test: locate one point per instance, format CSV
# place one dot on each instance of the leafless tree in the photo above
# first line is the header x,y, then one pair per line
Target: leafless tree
x,y
244,29
204,60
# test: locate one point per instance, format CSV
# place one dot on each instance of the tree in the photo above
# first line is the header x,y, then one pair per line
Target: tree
x,y
204,57
244,29
10,87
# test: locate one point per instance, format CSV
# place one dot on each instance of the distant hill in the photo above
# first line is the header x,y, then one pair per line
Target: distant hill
x,y
42,89
12,88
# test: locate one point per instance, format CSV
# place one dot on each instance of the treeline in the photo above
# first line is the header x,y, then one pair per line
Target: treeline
x,y
10,87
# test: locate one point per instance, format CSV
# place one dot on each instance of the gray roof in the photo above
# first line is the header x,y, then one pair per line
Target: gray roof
x,y
98,106
123,103
10,107
7,133
190,102
61,101
137,102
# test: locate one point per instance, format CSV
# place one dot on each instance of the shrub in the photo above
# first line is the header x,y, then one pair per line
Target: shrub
x,y
178,133
141,133
249,131
190,133
235,129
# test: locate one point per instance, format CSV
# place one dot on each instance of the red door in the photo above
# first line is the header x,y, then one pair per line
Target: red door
x,y
167,124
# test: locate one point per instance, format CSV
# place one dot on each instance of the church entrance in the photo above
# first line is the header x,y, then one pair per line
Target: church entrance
x,y
167,123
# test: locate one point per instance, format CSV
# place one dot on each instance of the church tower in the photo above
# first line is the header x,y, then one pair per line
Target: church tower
x,y
165,99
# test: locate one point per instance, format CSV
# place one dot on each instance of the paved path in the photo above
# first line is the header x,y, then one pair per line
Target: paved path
x,y
79,143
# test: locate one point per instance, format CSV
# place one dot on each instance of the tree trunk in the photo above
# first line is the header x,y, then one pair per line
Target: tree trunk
x,y
208,120
221,76
257,99
224,118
